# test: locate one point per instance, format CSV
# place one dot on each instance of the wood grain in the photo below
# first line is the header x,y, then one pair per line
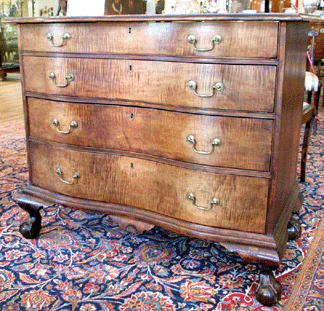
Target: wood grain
x,y
289,116
134,109
246,87
155,132
153,186
156,38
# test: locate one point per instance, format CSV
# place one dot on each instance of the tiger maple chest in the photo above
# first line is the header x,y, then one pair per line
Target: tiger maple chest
x,y
187,122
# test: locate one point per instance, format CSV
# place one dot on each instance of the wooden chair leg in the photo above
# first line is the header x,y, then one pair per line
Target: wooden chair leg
x,y
2,74
307,135
317,98
319,76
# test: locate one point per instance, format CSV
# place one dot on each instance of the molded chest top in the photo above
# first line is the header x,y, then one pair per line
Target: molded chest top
x,y
161,18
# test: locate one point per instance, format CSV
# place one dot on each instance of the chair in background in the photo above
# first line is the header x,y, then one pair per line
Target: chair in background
x,y
9,59
316,47
313,88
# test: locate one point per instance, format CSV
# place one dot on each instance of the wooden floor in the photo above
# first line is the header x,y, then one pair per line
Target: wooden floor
x,y
11,107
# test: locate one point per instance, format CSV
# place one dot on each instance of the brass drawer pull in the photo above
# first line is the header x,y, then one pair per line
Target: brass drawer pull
x,y
215,142
73,124
192,40
65,37
215,201
219,86
69,77
75,177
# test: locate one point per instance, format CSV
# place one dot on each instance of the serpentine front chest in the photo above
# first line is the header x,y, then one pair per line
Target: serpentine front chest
x,y
187,122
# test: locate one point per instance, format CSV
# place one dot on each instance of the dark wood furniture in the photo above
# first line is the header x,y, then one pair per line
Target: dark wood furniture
x,y
308,118
187,122
7,46
317,28
5,69
316,44
317,32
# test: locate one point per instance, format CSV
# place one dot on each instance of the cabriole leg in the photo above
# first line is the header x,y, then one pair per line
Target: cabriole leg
x,y
31,227
269,289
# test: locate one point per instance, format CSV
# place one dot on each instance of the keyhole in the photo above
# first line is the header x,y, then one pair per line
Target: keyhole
x,y
129,29
130,67
132,165
132,116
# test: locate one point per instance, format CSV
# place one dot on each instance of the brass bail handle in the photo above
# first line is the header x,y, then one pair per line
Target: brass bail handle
x,y
64,38
192,40
216,142
219,86
68,78
214,201
75,177
73,124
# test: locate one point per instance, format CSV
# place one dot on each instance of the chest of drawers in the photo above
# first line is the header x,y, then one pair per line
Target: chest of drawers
x,y
186,122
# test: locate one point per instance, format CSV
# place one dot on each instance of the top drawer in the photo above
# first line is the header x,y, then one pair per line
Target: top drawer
x,y
168,39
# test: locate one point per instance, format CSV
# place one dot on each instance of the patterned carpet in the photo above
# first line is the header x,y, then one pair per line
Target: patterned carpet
x,y
84,262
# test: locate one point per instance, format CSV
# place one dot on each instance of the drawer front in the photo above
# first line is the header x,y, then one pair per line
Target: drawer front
x,y
169,39
243,142
230,87
161,188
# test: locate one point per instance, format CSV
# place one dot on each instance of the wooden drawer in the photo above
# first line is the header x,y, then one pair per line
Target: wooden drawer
x,y
156,132
169,39
154,186
242,87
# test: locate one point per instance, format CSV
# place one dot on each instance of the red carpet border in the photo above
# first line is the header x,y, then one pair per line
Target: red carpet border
x,y
308,291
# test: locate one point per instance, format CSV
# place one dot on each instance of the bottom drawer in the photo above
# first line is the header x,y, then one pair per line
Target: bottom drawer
x,y
240,202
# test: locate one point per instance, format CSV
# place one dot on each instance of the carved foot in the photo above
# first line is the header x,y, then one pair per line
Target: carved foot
x,y
269,289
294,229
131,225
30,228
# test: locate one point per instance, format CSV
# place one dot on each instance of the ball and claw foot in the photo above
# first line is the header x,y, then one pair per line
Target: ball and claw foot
x,y
269,289
294,229
30,229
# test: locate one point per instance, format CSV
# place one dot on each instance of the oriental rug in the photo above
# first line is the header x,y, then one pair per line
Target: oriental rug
x,y
308,291
83,261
